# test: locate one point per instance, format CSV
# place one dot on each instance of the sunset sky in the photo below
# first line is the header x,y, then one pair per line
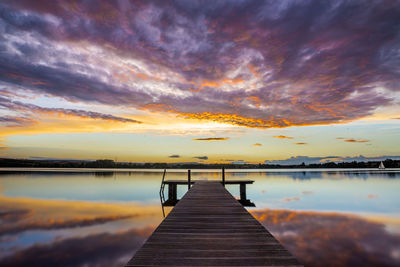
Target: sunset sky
x,y
200,81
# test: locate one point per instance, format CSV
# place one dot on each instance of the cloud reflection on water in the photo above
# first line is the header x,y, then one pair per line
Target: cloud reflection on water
x,y
103,221
316,238
331,239
34,225
101,249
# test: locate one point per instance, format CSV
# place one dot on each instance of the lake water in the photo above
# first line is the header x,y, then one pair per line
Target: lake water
x,y
100,218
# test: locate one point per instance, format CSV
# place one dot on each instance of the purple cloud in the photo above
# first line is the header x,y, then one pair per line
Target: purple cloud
x,y
249,63
23,107
11,121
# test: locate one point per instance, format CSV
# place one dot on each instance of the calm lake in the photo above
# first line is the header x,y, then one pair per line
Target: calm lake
x,y
101,217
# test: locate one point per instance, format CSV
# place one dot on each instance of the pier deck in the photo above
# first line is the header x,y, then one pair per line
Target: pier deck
x,y
209,227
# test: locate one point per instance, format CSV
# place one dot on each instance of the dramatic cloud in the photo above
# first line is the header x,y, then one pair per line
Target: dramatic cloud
x,y
201,157
311,160
174,156
257,144
23,107
328,239
212,139
283,137
248,63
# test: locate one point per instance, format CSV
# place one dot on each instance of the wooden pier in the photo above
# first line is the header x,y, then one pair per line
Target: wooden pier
x,y
209,227
172,199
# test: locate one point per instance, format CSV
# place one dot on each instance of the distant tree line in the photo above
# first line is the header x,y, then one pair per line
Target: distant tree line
x,y
108,163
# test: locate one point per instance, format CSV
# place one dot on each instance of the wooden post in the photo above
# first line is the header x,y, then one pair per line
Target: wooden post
x,y
172,192
188,179
243,196
223,176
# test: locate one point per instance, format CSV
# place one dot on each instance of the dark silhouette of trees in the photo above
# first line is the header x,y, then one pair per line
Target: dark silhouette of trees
x,y
108,163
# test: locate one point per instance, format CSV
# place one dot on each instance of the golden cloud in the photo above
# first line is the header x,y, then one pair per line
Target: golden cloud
x,y
212,139
282,137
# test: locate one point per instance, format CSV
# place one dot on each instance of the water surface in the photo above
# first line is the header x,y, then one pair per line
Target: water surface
x,y
101,217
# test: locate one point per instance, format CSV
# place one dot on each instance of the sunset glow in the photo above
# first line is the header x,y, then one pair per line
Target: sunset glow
x,y
140,81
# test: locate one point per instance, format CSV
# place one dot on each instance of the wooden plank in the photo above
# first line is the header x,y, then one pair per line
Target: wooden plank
x,y
209,227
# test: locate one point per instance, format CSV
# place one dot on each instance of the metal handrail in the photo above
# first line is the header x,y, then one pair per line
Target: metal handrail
x,y
162,182
162,196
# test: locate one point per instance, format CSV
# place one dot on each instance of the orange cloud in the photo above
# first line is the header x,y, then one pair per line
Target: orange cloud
x,y
233,119
221,82
282,137
353,140
301,143
236,120
257,144
356,141
212,139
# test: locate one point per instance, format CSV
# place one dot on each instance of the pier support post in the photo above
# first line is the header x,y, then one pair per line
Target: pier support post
x,y
172,193
223,176
189,179
243,196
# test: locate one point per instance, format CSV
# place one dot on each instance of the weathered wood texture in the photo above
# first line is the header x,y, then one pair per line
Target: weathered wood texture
x,y
208,227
